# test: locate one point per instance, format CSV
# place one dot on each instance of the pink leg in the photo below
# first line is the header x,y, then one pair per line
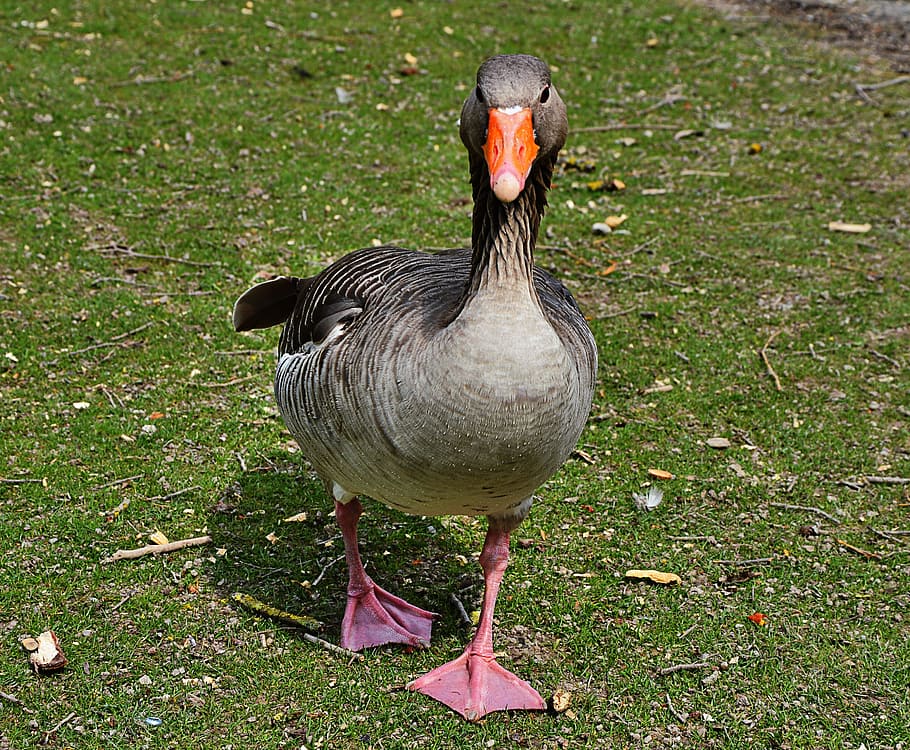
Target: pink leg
x,y
474,684
373,616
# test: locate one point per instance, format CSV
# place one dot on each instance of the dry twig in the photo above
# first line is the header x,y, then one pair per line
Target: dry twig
x,y
462,613
807,509
862,89
684,668
157,549
859,551
66,719
764,357
888,480
625,126
15,701
747,563
115,483
115,248
680,717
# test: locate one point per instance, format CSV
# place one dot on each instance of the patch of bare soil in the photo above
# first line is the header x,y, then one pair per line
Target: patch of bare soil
x,y
877,27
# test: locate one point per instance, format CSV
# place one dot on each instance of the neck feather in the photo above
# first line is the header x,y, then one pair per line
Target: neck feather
x,y
504,234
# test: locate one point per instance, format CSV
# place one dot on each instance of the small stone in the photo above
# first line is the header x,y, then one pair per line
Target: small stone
x,y
718,442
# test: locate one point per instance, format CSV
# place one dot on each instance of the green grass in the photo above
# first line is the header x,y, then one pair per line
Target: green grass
x,y
157,158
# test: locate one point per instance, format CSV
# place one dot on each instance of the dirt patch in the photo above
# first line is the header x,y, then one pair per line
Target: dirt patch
x,y
878,27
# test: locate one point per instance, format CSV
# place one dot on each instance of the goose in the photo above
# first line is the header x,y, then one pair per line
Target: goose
x,y
453,383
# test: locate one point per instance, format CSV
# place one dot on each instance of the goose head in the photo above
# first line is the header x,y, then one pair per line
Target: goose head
x,y
513,120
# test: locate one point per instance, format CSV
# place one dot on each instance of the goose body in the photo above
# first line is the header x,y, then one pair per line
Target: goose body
x,y
454,383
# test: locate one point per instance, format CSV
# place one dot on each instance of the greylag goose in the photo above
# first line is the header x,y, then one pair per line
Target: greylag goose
x,y
453,383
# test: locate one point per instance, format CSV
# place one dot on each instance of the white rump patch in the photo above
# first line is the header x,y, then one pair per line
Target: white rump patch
x,y
341,494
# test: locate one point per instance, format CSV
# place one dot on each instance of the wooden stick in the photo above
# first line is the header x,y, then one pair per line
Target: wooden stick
x,y
624,126
462,613
883,84
885,358
865,553
115,483
764,356
15,701
807,509
128,252
157,549
684,667
114,341
348,654
764,197
681,718
300,621
59,724
888,480
225,384
747,563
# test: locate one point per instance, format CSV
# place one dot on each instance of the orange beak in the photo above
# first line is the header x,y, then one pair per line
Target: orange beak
x,y
510,151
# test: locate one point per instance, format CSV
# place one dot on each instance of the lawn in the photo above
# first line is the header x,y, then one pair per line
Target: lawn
x,y
157,158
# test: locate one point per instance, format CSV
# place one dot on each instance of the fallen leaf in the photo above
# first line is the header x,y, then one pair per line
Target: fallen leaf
x,y
396,13
660,473
44,652
755,148
656,576
561,701
615,221
841,226
296,517
410,59
157,537
652,42
758,618
717,442
156,415
686,133
272,537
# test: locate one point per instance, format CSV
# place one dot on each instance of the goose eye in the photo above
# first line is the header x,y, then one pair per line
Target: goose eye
x,y
544,95
479,94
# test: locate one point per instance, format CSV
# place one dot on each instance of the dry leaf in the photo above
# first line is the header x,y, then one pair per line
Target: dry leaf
x,y
561,701
660,473
615,221
296,517
396,13
657,576
841,226
758,618
45,654
272,537
755,148
157,537
410,59
718,442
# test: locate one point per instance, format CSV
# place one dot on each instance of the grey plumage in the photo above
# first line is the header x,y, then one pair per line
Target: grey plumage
x,y
454,383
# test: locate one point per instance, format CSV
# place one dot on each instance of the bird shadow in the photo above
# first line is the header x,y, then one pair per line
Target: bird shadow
x,y
298,565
